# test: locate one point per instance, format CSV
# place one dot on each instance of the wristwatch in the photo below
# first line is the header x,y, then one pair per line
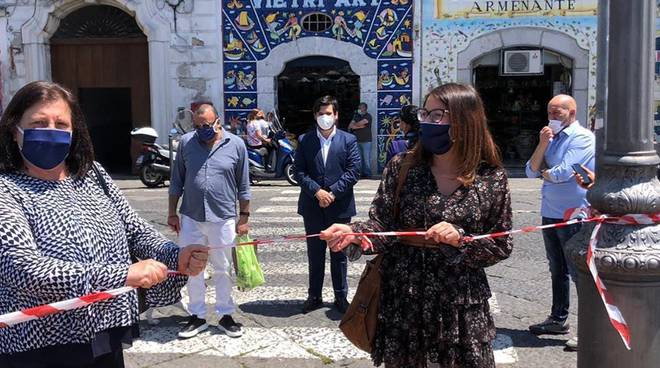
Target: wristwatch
x,y
244,213
461,233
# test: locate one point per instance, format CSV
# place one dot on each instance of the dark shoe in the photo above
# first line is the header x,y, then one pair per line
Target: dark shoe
x,y
312,304
572,344
550,327
342,305
229,327
194,326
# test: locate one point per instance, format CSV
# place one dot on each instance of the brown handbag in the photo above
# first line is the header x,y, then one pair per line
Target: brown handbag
x,y
361,318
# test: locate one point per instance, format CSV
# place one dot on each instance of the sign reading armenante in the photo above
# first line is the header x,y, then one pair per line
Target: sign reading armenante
x,y
510,8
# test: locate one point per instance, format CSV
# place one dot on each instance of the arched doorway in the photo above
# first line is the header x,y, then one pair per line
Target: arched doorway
x,y
308,78
101,54
515,100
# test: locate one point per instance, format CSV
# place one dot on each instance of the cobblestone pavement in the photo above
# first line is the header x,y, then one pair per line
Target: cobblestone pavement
x,y
277,335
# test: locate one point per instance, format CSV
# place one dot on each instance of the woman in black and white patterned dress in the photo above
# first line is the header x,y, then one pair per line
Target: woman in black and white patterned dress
x,y
63,236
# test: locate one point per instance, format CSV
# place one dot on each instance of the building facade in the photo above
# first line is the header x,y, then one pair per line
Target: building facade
x,y
135,62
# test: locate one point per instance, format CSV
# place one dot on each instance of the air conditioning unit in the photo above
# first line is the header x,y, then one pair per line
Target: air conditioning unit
x,y
522,62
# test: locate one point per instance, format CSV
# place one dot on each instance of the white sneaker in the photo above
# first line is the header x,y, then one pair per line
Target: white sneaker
x,y
572,344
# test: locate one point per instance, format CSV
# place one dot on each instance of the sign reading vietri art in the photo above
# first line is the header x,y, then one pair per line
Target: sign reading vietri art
x,y
305,4
509,8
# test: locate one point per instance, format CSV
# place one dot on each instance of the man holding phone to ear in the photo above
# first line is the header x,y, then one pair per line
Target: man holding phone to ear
x,y
563,143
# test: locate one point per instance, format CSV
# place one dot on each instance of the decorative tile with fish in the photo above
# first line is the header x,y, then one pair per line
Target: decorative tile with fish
x,y
394,100
240,100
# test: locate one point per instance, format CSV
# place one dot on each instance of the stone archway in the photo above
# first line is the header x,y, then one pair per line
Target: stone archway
x,y
46,19
364,66
532,37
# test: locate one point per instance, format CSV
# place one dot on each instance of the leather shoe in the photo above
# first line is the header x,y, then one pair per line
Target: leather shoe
x,y
341,305
312,304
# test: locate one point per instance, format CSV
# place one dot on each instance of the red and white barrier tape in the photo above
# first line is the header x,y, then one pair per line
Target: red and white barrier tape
x,y
29,314
613,312
616,318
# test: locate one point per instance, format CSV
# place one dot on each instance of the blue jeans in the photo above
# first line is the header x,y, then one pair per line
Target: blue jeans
x,y
365,154
561,266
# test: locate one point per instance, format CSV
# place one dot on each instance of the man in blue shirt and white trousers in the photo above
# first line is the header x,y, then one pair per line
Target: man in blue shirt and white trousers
x,y
563,142
327,167
211,172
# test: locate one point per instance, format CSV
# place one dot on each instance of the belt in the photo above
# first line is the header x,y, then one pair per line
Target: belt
x,y
418,240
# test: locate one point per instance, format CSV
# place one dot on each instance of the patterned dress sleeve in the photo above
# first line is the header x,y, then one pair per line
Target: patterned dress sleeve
x,y
487,252
23,267
381,213
146,243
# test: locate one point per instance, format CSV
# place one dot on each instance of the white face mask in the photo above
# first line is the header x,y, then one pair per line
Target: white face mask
x,y
325,122
555,125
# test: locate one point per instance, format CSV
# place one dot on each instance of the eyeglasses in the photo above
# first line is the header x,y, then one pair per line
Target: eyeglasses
x,y
206,125
431,116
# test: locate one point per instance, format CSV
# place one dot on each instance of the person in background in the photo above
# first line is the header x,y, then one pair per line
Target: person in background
x,y
256,138
211,172
409,126
562,143
68,231
327,164
360,125
434,309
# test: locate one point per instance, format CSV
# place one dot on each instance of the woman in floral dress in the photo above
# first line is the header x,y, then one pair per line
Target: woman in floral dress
x,y
434,308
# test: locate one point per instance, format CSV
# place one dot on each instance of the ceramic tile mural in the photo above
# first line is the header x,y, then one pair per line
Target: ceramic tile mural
x,y
383,28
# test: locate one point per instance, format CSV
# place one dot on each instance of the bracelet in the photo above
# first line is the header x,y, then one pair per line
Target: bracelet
x,y
243,213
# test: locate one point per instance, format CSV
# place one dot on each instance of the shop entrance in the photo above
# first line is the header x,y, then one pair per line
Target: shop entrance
x,y
516,105
306,79
101,55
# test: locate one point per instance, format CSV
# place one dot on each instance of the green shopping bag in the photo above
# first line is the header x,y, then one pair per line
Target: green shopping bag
x,y
248,273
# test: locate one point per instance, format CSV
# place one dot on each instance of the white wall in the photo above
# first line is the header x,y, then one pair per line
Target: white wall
x,y
184,66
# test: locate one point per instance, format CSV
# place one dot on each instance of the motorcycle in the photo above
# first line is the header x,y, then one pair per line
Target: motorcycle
x,y
155,160
281,160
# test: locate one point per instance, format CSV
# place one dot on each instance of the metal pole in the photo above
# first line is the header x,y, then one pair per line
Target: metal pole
x,y
627,257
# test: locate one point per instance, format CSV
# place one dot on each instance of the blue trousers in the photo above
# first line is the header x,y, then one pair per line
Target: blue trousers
x,y
316,250
561,266
365,154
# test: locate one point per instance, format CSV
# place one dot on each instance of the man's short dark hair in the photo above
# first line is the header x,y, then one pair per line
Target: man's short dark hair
x,y
81,153
363,104
205,107
325,101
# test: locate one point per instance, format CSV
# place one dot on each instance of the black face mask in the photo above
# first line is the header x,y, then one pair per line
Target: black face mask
x,y
435,137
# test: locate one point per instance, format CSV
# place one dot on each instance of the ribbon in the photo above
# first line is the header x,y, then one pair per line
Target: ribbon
x,y
572,216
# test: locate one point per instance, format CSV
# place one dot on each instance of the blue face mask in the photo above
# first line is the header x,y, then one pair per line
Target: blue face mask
x,y
206,133
45,148
435,137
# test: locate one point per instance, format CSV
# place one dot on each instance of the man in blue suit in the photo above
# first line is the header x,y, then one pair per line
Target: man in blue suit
x,y
327,167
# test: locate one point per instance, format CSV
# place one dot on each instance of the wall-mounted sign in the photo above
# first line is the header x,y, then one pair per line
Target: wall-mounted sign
x,y
311,4
511,8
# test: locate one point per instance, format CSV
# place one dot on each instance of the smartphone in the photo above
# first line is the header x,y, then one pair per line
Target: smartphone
x,y
583,174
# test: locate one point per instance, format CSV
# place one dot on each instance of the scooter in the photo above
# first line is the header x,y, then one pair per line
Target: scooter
x,y
281,163
154,161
